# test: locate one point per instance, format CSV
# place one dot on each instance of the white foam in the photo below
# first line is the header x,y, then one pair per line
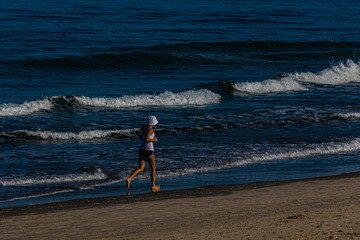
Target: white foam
x,y
315,150
98,175
12,109
37,195
324,149
269,86
349,115
320,149
84,135
344,72
185,98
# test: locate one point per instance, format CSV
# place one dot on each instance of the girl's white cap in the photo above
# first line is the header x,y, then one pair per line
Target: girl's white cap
x,y
152,121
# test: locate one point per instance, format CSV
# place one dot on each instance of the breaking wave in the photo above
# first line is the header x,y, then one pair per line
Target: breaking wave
x,y
269,86
12,109
349,115
98,175
83,135
185,98
342,73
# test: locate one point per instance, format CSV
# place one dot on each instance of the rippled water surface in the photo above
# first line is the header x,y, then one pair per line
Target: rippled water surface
x,y
244,92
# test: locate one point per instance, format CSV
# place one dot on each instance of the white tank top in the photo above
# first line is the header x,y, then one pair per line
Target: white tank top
x,y
145,145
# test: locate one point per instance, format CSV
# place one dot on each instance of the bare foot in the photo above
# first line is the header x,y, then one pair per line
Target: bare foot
x,y
155,188
127,183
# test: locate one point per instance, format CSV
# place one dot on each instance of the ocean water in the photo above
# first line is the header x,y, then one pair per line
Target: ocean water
x,y
244,91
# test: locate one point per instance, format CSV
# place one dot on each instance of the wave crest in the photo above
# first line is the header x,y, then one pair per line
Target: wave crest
x,y
269,86
12,109
344,72
349,115
84,135
185,98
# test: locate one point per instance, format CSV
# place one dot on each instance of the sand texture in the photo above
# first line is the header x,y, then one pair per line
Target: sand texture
x,y
321,208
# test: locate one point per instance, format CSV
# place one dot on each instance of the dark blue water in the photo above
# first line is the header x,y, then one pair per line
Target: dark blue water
x,y
244,91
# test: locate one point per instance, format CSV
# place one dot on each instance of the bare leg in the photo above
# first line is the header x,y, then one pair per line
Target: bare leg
x,y
154,188
141,168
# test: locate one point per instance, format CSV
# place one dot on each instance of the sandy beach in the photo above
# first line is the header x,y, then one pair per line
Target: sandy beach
x,y
319,208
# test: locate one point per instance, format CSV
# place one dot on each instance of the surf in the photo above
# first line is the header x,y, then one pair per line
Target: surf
x,y
342,73
274,155
83,135
349,115
187,98
167,98
55,179
269,86
26,108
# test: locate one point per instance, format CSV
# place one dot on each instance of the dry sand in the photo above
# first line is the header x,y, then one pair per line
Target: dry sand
x,y
321,208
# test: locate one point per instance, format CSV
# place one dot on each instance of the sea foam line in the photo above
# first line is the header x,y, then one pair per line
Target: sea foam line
x,y
37,195
98,175
320,149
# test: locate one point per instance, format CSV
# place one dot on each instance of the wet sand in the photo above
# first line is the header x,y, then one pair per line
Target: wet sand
x,y
319,208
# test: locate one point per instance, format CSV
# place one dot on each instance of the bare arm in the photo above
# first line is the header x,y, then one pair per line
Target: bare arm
x,y
148,139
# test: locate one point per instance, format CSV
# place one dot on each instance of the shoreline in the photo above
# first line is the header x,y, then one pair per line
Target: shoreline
x,y
202,191
314,208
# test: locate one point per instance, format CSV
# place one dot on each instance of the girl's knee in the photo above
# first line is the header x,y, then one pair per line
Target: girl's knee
x,y
142,165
